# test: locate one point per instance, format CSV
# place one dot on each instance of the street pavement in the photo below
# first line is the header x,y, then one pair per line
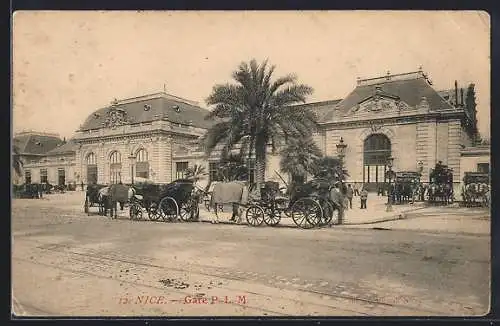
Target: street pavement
x,y
66,263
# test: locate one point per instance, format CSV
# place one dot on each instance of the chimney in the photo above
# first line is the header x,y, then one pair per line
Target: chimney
x,y
462,96
456,93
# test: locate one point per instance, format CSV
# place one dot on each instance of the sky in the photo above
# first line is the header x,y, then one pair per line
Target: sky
x,y
68,64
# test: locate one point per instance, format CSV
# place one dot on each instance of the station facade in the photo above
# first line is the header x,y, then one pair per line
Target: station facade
x,y
156,137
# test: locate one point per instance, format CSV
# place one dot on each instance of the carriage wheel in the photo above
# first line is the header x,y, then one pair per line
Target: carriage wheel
x,y
297,212
135,212
169,210
189,211
328,212
315,213
153,212
255,215
306,213
272,216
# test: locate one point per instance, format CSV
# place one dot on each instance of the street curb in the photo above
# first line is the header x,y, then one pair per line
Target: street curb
x,y
423,231
395,217
386,219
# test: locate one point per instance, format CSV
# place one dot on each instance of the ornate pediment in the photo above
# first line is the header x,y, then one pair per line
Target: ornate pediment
x,y
378,105
116,117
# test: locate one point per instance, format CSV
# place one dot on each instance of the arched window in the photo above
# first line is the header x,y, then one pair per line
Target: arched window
x,y
376,151
115,167
142,164
91,161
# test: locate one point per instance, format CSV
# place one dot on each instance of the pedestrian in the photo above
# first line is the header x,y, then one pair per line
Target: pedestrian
x,y
356,189
349,195
364,198
82,185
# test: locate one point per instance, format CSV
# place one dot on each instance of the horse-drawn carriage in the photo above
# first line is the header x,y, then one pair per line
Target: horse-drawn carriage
x,y
28,190
176,200
476,190
312,204
406,186
93,199
440,188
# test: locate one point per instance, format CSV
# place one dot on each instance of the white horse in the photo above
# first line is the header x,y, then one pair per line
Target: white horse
x,y
235,193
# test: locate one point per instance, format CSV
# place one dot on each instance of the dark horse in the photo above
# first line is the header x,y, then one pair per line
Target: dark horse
x,y
110,196
92,197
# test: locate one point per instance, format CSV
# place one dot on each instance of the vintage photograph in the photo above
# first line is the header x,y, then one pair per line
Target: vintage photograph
x,y
250,163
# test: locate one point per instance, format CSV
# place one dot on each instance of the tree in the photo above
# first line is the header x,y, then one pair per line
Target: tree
x,y
256,113
17,163
470,107
299,156
232,167
329,168
196,172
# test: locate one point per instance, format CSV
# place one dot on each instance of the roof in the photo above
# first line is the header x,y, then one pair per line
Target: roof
x,y
409,88
320,108
449,95
148,108
35,143
64,148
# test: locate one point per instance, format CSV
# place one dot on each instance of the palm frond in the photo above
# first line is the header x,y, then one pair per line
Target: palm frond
x,y
255,111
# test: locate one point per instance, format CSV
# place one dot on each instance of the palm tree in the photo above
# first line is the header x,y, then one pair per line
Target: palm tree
x,y
329,168
299,157
196,172
232,167
256,112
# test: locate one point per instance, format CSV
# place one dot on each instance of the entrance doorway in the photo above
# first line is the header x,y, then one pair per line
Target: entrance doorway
x,y
61,174
376,151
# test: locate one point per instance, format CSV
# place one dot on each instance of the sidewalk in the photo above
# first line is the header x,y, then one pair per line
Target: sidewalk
x,y
375,213
434,220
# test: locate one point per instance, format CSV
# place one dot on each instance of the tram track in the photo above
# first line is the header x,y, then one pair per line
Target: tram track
x,y
365,306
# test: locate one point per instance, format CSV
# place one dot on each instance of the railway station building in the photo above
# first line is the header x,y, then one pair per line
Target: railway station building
x,y
156,136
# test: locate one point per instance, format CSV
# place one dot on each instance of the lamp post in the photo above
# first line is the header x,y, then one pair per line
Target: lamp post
x,y
132,163
390,161
341,147
341,152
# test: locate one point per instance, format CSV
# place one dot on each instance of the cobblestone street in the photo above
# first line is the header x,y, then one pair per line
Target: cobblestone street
x,y
67,263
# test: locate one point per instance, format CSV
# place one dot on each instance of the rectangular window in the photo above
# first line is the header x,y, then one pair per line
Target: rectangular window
x,y
180,170
43,176
61,177
142,170
27,176
212,171
483,167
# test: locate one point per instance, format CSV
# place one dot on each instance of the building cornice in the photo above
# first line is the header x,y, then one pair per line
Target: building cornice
x,y
419,117
475,151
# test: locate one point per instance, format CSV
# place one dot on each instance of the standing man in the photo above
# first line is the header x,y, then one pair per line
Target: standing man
x,y
356,189
82,185
349,195
364,198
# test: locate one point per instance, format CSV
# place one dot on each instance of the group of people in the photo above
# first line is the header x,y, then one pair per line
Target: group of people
x,y
353,190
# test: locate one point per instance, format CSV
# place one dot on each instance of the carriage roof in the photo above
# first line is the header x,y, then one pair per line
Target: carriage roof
x,y
178,189
476,177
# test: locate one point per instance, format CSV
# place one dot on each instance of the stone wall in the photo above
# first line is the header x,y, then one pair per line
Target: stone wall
x,y
454,147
